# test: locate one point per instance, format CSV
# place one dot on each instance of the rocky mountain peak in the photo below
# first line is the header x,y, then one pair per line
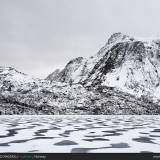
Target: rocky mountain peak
x,y
68,73
116,37
9,71
5,69
75,61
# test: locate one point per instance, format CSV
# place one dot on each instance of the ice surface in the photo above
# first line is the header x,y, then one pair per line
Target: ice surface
x,y
87,134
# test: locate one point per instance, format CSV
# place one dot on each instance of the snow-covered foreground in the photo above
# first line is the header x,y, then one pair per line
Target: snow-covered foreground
x,y
85,134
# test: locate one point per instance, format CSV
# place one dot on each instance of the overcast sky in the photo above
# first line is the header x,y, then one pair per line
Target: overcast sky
x,y
37,36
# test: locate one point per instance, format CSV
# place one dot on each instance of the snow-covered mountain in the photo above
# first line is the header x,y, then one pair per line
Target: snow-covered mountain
x,y
11,75
16,91
122,78
130,64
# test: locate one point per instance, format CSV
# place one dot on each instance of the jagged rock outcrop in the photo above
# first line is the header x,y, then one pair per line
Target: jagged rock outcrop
x,y
69,73
54,75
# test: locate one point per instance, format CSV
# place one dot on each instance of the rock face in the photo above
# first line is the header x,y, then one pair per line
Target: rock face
x,y
54,75
122,78
69,72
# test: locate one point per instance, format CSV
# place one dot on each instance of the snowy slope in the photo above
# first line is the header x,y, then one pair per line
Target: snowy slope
x,y
72,71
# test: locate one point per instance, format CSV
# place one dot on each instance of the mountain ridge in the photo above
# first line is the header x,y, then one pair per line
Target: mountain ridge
x,y
124,57
122,78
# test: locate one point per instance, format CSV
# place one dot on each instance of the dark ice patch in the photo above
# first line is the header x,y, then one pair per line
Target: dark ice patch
x,y
96,139
119,145
81,150
143,133
156,130
33,151
146,152
144,140
65,142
